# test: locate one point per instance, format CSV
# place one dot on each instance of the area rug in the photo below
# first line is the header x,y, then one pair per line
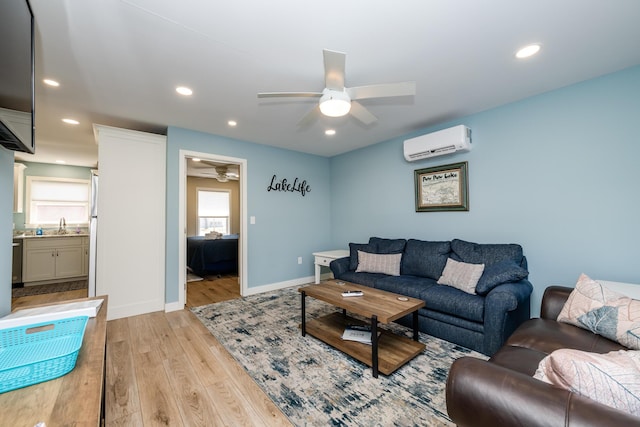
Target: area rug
x,y
316,385
49,289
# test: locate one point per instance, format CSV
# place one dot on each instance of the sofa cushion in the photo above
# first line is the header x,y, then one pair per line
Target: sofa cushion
x,y
461,275
387,246
411,286
366,279
379,263
453,301
501,272
612,379
426,259
593,307
353,253
487,254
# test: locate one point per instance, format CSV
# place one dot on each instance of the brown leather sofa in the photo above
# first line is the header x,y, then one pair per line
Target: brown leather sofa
x,y
502,391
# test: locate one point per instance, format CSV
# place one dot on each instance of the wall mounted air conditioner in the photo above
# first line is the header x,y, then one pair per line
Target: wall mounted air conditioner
x,y
446,141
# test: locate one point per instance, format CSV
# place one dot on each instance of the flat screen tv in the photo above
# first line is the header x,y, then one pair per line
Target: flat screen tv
x,y
17,76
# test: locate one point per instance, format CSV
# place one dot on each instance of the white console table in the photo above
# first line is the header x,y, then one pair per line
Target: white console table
x,y
325,258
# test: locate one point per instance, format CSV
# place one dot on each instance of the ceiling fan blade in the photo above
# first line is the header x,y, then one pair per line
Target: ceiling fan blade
x,y
362,114
382,90
290,94
334,69
309,118
207,162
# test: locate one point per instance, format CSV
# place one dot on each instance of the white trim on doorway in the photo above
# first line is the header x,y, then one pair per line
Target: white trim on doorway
x,y
182,219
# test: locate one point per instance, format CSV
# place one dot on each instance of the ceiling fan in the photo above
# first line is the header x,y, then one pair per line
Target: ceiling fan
x,y
221,172
337,100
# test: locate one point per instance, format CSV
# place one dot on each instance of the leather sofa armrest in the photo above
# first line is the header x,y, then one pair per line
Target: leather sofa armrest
x,y
553,300
480,393
339,266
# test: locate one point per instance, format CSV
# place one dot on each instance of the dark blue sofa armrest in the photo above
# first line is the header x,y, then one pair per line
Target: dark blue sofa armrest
x,y
506,307
339,266
511,294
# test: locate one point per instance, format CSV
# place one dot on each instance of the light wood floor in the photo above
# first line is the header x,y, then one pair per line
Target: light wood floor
x,y
206,292
166,369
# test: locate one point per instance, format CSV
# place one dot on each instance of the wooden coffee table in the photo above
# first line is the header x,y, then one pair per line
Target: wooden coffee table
x,y
387,351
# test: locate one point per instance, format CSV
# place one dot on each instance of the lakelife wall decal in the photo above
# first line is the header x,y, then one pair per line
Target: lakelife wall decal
x,y
298,186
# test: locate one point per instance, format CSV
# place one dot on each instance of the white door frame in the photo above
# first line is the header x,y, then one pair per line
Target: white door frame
x,y
182,219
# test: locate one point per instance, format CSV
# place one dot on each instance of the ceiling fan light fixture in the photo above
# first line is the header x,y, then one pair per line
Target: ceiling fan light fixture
x,y
222,174
334,103
528,51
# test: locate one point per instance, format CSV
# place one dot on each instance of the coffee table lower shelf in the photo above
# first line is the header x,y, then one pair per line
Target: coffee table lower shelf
x,y
393,350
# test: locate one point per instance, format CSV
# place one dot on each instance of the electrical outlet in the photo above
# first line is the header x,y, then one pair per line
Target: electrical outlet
x,y
299,260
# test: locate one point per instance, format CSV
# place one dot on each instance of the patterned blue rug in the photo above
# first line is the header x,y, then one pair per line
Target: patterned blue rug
x,y
316,385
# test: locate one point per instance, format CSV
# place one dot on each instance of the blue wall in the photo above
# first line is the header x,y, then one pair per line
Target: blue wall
x,y
555,173
287,226
50,170
6,209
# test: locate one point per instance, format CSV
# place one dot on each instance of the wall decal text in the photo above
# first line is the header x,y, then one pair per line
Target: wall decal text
x,y
298,186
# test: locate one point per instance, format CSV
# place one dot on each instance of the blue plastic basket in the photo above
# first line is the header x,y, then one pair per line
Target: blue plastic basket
x,y
39,352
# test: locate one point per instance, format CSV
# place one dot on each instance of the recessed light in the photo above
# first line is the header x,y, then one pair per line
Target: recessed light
x,y
50,82
183,90
60,162
71,121
528,51
195,159
232,123
330,132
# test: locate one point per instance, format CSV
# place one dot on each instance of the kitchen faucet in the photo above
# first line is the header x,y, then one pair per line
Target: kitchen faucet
x,y
63,226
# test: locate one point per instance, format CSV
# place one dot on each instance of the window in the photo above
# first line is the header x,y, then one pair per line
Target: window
x,y
213,211
50,199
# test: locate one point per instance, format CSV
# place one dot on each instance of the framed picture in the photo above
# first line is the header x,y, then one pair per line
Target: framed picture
x,y
442,188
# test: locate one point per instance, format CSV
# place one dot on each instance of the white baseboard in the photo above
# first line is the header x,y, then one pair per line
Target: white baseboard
x,y
280,285
173,306
128,310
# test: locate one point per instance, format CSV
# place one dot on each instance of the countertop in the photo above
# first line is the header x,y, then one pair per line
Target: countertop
x,y
27,236
75,399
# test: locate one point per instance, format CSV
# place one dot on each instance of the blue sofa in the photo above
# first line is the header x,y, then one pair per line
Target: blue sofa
x,y
481,321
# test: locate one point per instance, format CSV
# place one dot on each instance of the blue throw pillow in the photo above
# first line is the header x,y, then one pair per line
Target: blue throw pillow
x,y
353,253
502,272
387,246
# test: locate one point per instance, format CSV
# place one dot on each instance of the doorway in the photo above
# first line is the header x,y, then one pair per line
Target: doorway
x,y
221,169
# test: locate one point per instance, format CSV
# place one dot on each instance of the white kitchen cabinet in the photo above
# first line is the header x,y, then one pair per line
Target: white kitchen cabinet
x,y
53,259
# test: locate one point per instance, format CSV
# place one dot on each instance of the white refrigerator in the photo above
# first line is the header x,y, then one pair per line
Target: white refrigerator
x,y
93,234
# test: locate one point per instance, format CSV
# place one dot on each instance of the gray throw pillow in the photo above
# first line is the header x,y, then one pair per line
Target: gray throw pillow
x,y
461,275
379,263
353,253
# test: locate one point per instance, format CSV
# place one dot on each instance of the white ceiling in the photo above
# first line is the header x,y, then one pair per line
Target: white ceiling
x,y
119,61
